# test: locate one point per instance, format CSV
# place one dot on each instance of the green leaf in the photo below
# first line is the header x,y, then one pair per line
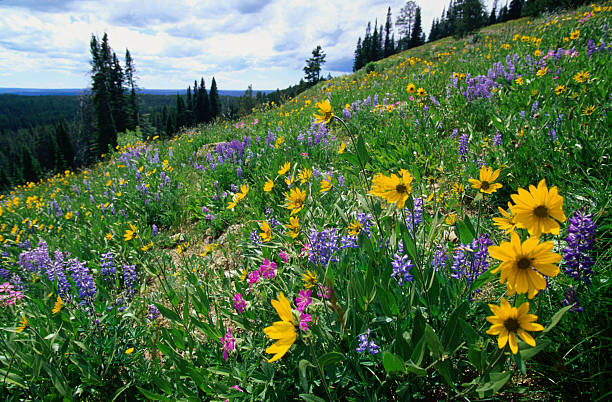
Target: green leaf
x,y
465,234
120,391
311,398
556,318
495,383
527,354
362,151
451,336
433,342
330,358
152,395
387,301
393,363
303,365
350,158
413,368
169,314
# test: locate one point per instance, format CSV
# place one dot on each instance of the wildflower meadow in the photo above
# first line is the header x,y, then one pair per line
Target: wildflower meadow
x,y
435,226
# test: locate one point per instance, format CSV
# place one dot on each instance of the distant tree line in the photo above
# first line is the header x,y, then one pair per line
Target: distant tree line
x,y
462,17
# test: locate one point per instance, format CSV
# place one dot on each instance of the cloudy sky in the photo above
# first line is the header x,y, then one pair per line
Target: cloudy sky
x,y
45,43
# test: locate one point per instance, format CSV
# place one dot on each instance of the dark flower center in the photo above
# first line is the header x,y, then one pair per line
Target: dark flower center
x,y
401,188
541,211
512,324
484,185
524,263
328,115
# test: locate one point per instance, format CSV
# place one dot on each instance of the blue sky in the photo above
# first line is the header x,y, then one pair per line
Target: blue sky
x,y
45,43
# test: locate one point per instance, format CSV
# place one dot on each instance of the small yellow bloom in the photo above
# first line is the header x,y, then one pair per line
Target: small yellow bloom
x,y
284,169
24,324
342,148
507,222
269,184
575,34
450,219
538,210
310,279
487,184
326,184
283,330
289,180
69,215
519,81
325,111
508,322
295,200
278,142
59,304
304,175
294,227
421,92
394,189
130,233
542,72
410,88
129,351
581,77
589,110
354,228
266,234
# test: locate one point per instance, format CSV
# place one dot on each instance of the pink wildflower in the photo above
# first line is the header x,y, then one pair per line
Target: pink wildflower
x,y
283,256
239,303
228,344
267,269
303,300
304,320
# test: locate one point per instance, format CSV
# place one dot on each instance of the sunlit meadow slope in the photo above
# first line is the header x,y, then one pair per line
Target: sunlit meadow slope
x,y
433,226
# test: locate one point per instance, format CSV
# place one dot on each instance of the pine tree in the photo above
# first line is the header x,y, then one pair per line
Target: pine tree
x,y
404,23
65,147
133,112
189,106
313,65
470,16
118,101
106,133
416,38
203,107
358,60
514,11
215,103
366,45
30,166
375,49
389,48
181,113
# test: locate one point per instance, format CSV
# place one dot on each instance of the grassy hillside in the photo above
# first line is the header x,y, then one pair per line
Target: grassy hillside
x,y
444,235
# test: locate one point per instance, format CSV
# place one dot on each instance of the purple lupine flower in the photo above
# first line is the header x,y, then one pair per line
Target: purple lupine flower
x,y
401,268
107,267
228,344
367,344
341,180
470,260
413,222
35,260
571,298
365,220
154,230
129,280
83,280
580,239
323,246
497,139
255,238
154,313
303,300
239,303
463,146
346,114
267,269
438,261
348,241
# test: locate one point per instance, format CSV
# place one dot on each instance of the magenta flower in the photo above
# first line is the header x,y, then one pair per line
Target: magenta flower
x,y
304,320
228,343
5,287
303,300
283,256
239,303
267,269
253,277
323,292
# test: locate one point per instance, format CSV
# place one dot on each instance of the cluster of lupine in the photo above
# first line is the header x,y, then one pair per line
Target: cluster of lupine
x,y
365,343
580,239
324,245
470,260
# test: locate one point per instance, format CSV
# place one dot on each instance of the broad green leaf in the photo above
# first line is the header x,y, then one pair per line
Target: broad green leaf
x,y
393,363
330,358
556,318
495,383
303,365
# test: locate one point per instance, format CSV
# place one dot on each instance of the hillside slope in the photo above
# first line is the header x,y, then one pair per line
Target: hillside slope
x,y
352,258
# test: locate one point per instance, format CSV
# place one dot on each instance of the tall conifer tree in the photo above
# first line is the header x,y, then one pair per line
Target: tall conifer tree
x,y
215,103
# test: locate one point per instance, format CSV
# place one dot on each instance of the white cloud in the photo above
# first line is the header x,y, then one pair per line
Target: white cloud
x,y
45,43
